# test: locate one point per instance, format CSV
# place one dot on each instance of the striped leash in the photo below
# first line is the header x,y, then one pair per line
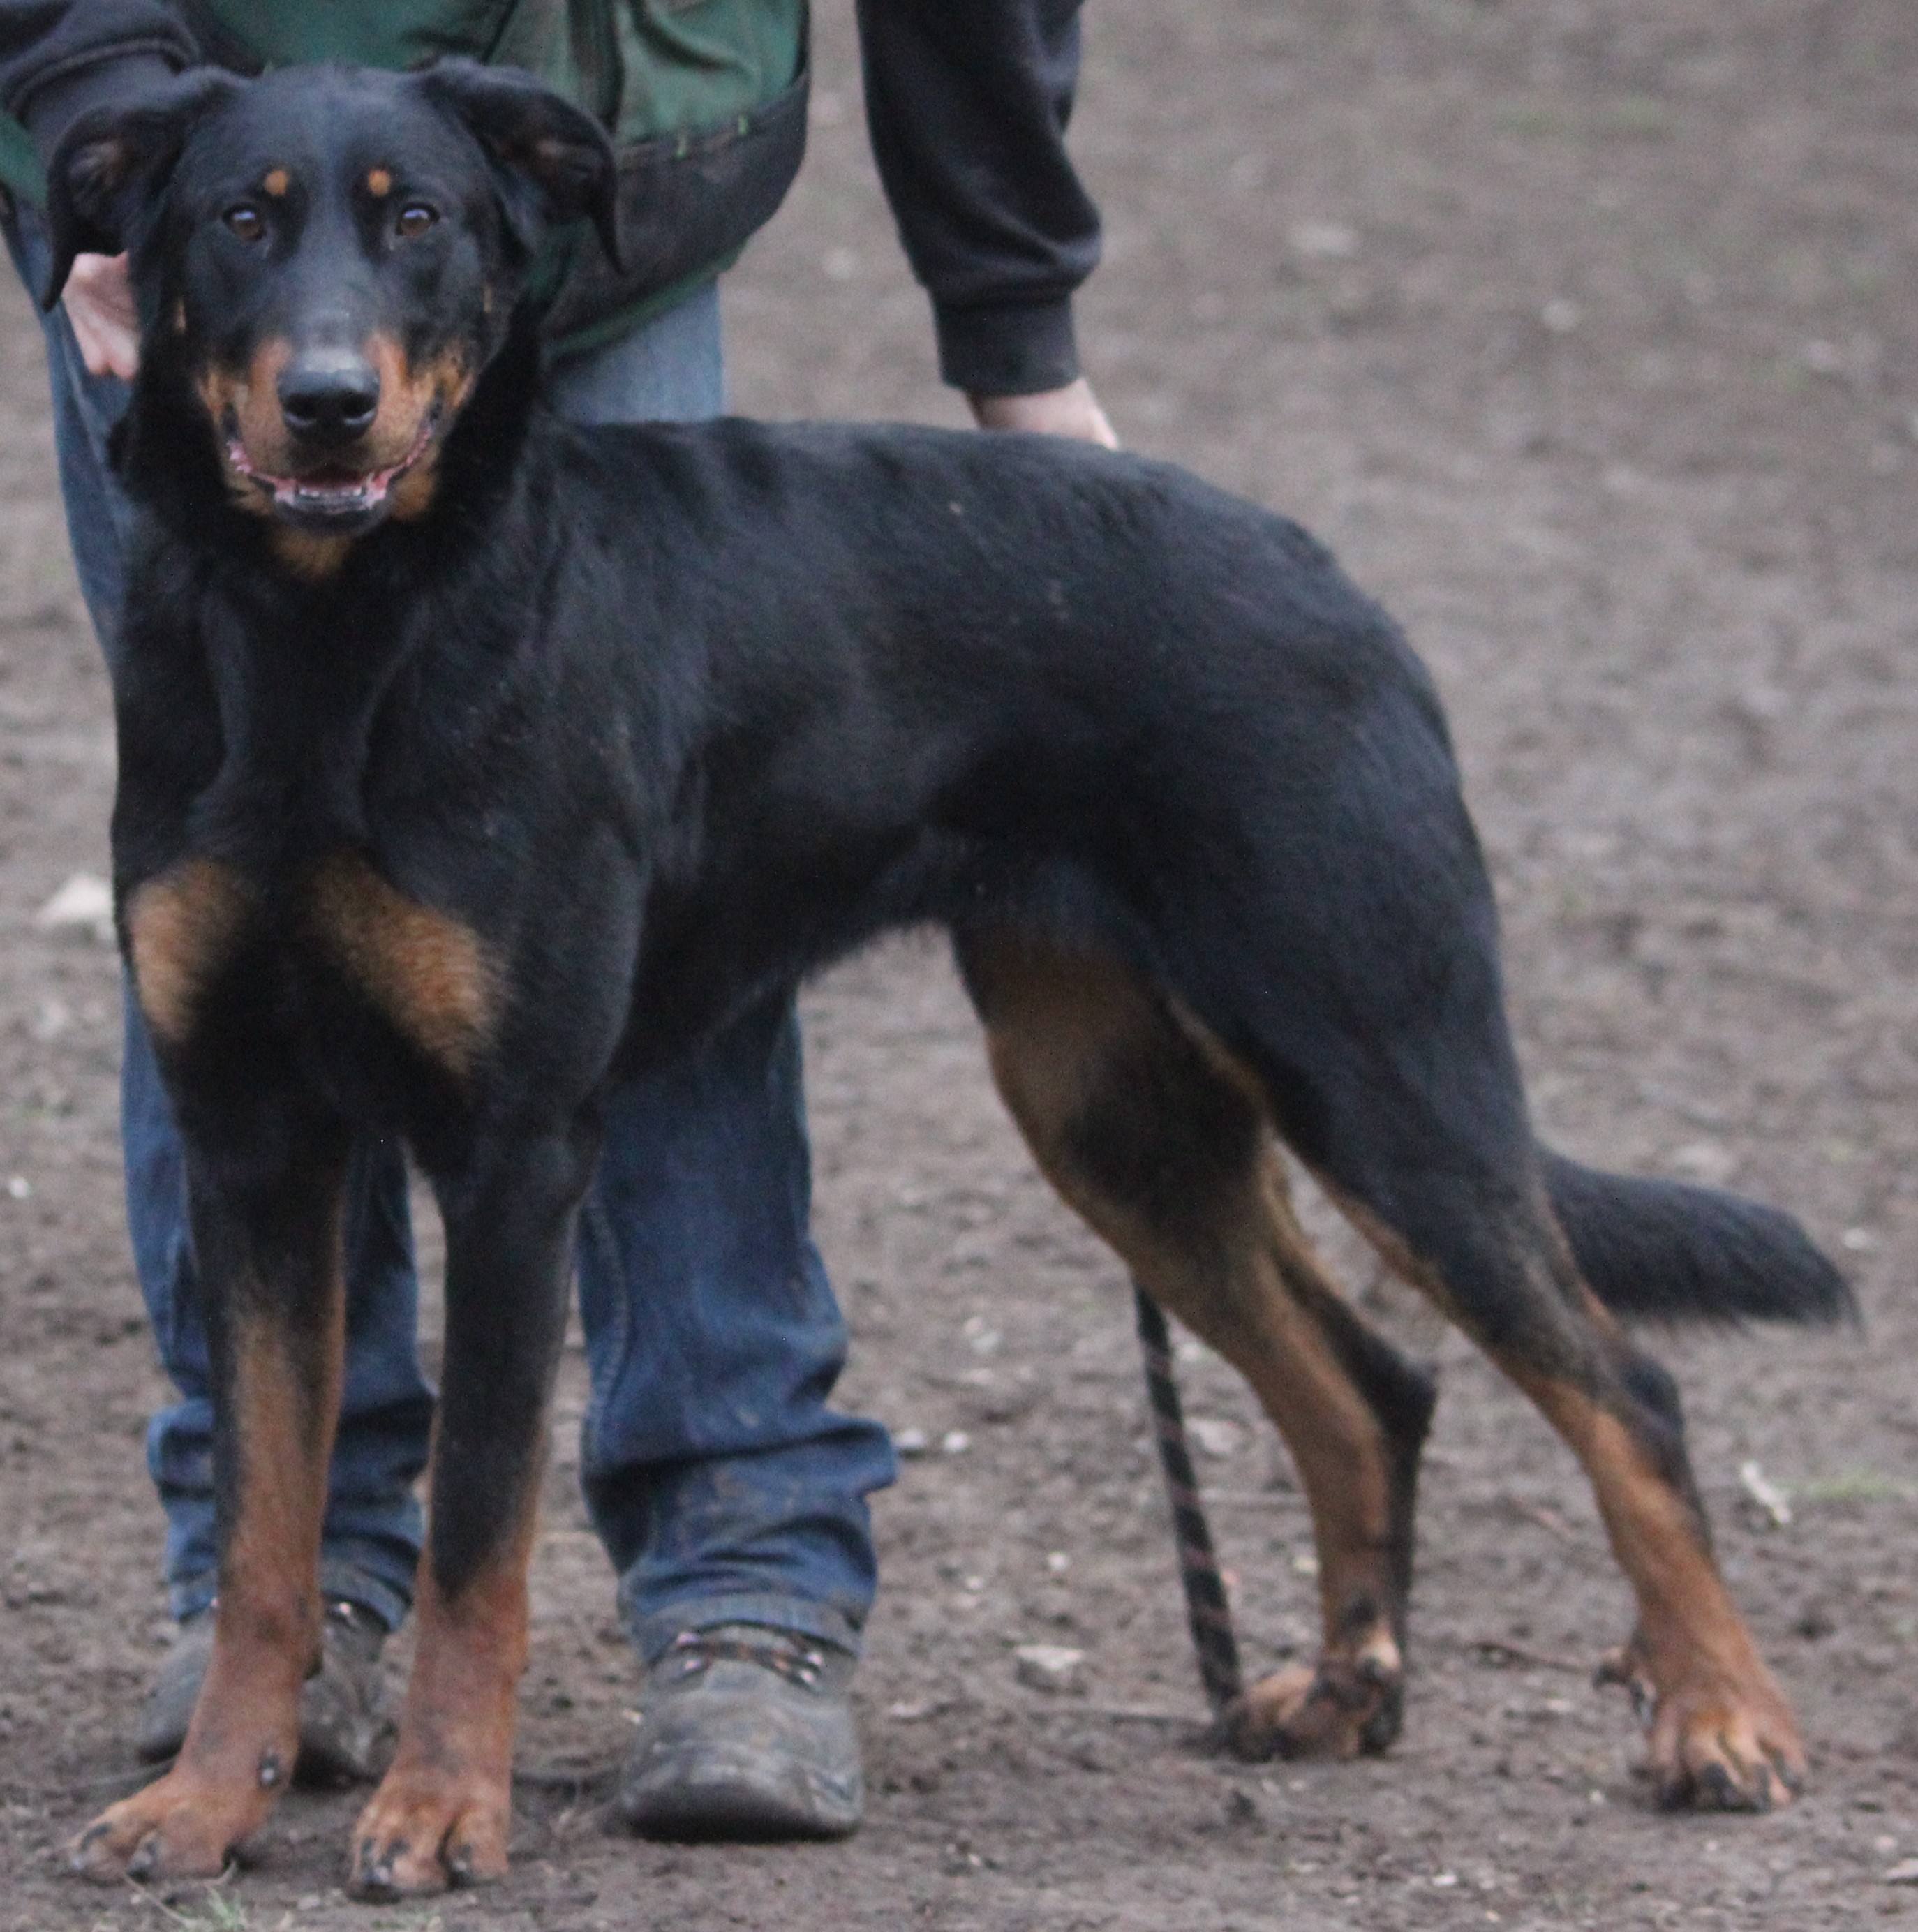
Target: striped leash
x,y
1208,1614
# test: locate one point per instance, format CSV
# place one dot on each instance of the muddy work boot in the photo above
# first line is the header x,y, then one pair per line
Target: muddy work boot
x,y
344,1731
746,1732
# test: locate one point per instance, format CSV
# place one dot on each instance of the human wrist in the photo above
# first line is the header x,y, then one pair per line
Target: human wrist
x,y
1073,410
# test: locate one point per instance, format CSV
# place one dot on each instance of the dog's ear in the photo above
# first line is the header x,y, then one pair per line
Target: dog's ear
x,y
552,161
112,166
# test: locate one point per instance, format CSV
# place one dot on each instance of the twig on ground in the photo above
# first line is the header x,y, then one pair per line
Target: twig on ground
x,y
113,1782
1116,1714
562,1777
1546,1519
1494,1647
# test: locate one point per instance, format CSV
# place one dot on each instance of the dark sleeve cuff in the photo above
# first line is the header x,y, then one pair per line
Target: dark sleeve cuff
x,y
1007,348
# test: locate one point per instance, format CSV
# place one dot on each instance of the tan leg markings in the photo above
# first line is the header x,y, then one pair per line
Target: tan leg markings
x,y
181,929
1235,1266
240,1747
1351,1699
432,977
1720,1735
443,1813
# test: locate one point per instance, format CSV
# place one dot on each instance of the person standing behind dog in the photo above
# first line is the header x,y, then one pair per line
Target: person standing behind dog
x,y
730,1498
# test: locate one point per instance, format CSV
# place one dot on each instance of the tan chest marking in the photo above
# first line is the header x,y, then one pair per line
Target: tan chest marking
x,y
307,553
180,927
431,976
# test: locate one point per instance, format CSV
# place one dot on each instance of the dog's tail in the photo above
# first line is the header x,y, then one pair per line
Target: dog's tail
x,y
1675,1253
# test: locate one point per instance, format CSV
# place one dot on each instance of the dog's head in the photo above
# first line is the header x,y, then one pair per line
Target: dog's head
x,y
329,256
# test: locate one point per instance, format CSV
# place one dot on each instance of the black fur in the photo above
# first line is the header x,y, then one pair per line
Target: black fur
x,y
1663,1250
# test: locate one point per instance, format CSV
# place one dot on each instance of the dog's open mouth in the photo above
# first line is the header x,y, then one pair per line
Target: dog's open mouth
x,y
335,495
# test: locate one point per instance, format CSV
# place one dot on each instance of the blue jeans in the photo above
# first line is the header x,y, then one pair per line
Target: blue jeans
x,y
724,1487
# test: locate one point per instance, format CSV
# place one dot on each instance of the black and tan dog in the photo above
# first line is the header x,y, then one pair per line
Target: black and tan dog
x,y
468,761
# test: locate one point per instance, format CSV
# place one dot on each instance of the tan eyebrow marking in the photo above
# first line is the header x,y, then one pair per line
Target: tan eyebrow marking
x,y
380,182
276,182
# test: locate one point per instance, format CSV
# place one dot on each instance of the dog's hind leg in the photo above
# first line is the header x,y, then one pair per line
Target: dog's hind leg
x,y
1164,1146
266,1214
1474,1230
1722,1736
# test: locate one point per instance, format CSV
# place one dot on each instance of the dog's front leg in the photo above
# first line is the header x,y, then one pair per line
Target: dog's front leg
x,y
442,1816
266,1220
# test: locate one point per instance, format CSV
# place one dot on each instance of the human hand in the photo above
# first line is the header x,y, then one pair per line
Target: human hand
x,y
1072,411
99,301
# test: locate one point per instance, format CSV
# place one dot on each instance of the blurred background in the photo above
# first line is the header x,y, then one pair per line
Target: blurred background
x,y
1587,332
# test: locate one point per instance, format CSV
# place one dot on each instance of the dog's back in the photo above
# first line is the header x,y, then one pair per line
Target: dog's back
x,y
967,675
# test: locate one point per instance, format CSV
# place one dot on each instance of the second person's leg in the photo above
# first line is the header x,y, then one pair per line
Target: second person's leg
x,y
730,1497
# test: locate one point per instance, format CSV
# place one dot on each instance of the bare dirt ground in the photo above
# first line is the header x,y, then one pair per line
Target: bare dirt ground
x,y
1587,332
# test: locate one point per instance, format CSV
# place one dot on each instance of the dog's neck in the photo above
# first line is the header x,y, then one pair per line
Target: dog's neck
x,y
298,671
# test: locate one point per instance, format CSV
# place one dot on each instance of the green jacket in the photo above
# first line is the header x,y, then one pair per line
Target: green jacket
x,y
705,98
967,102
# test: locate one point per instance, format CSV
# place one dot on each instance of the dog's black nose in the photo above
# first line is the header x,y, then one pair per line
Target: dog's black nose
x,y
329,395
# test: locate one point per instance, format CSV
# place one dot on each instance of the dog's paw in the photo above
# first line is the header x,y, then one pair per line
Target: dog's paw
x,y
426,1829
1348,1705
1714,1744
186,1825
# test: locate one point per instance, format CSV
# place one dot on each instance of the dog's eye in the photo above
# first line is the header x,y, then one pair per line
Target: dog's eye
x,y
248,223
415,219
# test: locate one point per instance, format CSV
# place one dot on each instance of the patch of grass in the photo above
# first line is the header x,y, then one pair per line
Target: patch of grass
x,y
1631,117
1862,278
1635,117
1850,1485
213,1911
216,1909
1538,118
